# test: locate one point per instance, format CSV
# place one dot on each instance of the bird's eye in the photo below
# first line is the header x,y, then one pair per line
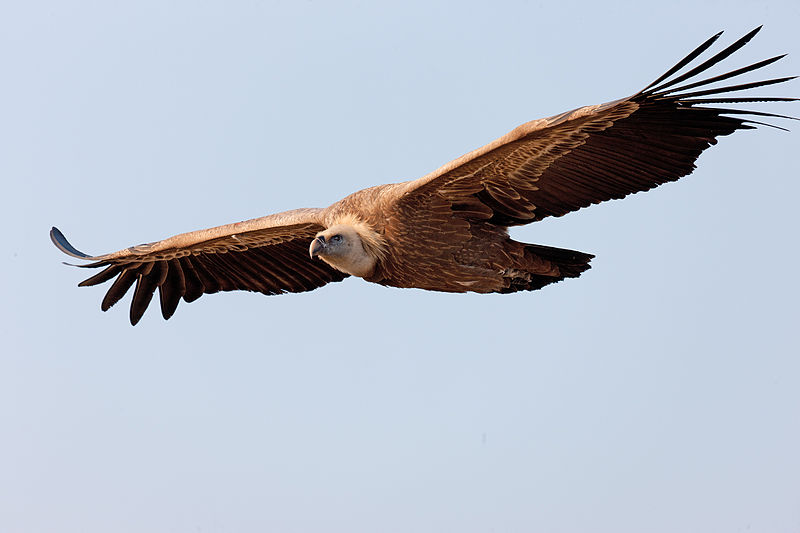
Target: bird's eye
x,y
336,238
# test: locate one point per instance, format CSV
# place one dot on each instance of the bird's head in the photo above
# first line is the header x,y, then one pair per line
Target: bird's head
x,y
340,241
348,246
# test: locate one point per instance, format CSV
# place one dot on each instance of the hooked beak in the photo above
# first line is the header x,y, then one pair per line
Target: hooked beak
x,y
317,245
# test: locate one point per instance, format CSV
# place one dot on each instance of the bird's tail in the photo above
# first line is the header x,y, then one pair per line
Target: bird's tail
x,y
570,263
544,265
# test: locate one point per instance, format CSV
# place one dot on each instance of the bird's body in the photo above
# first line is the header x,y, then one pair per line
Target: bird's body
x,y
448,231
450,253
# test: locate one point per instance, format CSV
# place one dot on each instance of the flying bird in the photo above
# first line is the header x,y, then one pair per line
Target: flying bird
x,y
448,231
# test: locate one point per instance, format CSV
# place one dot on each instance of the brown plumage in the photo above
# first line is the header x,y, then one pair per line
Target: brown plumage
x,y
447,231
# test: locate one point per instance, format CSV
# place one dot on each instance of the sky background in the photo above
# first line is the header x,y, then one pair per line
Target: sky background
x,y
659,392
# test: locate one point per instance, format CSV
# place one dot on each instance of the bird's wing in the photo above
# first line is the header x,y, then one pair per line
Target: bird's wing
x,y
552,166
267,255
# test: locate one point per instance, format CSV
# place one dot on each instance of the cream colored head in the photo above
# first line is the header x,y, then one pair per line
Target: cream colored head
x,y
350,246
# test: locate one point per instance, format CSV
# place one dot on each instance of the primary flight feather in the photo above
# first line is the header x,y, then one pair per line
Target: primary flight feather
x,y
448,231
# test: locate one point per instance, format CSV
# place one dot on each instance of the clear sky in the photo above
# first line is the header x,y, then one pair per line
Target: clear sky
x,y
659,392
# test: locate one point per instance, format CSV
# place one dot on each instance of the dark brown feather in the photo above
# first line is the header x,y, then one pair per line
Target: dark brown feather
x,y
194,285
106,274
146,284
119,287
172,289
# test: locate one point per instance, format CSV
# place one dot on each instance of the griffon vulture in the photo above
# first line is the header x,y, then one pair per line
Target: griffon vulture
x,y
447,231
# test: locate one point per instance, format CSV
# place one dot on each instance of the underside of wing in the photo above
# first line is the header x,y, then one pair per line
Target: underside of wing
x,y
550,167
267,255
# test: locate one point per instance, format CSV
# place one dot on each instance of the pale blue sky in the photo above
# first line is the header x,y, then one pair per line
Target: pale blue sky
x,y
659,392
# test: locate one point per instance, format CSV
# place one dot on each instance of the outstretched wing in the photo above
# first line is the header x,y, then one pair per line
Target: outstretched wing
x,y
552,166
267,255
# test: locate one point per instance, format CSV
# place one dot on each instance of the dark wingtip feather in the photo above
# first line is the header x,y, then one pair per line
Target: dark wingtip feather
x,y
172,288
118,288
765,124
724,111
733,88
102,277
705,65
668,90
745,100
721,77
142,294
685,61
150,277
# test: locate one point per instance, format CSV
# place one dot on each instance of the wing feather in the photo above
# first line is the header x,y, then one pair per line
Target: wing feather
x,y
267,255
172,288
119,288
106,274
146,284
210,282
713,60
194,285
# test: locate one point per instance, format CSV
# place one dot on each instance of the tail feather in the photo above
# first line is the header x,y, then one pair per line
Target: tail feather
x,y
570,263
546,265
